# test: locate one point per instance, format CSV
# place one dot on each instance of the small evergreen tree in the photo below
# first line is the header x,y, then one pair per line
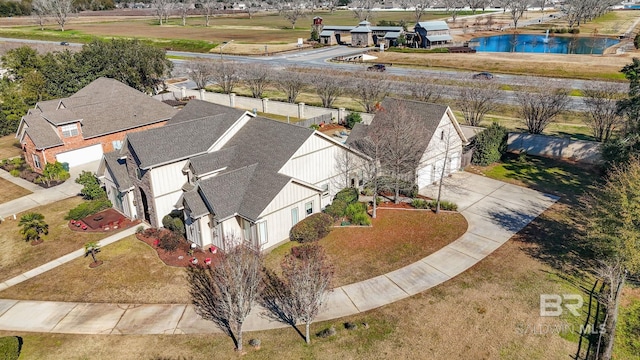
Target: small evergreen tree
x,y
489,145
33,226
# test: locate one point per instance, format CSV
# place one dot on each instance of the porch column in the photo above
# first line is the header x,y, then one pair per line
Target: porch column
x,y
232,100
301,110
265,105
201,94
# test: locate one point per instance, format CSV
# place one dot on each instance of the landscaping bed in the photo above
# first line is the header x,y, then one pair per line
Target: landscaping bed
x,y
182,256
25,172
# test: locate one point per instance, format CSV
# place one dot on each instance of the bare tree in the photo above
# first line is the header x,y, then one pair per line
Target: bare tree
x,y
225,293
539,109
614,275
345,162
162,9
603,117
371,144
256,77
226,74
476,99
453,7
292,13
329,87
475,4
41,11
201,71
419,8
208,6
363,9
517,9
403,131
60,10
250,9
183,7
369,89
309,275
291,82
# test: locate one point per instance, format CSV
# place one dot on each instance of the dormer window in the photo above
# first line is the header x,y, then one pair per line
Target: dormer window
x,y
69,130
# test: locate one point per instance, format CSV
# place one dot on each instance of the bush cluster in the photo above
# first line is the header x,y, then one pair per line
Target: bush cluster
x,y
348,195
312,228
173,222
407,188
489,145
357,213
336,209
169,241
424,204
565,30
636,41
9,347
88,208
352,119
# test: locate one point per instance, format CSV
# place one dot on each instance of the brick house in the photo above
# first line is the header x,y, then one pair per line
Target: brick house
x,y
79,129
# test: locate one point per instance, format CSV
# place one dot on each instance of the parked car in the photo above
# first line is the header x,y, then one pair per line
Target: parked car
x,y
377,67
64,43
483,75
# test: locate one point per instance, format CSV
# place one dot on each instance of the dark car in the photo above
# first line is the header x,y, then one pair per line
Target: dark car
x,y
377,67
483,75
64,43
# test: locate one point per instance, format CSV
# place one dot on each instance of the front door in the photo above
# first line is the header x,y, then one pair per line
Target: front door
x,y
193,231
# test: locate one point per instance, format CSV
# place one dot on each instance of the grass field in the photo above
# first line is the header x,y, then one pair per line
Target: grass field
x,y
18,256
11,191
9,147
396,239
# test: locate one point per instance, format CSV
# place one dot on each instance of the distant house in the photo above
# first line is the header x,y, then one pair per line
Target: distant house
x,y
230,172
362,35
445,137
432,33
79,129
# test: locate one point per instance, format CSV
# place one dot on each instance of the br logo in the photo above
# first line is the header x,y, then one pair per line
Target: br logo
x,y
552,304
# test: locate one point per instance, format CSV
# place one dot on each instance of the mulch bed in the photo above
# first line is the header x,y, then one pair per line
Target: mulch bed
x,y
30,175
104,221
180,257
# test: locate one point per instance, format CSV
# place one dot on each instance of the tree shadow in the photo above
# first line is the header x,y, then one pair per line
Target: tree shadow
x,y
275,299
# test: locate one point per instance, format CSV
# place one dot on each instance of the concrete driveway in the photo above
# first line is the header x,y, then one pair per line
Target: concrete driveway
x,y
495,211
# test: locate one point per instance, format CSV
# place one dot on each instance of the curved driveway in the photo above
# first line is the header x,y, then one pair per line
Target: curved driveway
x,y
494,210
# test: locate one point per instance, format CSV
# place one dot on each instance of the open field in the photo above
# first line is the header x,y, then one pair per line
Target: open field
x,y
18,256
396,239
9,147
11,191
131,273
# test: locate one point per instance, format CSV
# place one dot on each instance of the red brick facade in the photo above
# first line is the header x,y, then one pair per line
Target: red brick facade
x,y
73,143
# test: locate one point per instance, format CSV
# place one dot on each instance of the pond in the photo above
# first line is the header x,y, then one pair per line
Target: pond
x,y
548,43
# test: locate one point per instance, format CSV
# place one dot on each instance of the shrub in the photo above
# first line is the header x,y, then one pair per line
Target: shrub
x,y
169,241
420,204
88,208
489,145
353,209
327,332
361,218
312,228
636,41
9,347
17,162
336,209
15,172
255,343
314,127
53,172
407,188
140,229
348,195
173,222
445,205
357,213
91,186
352,119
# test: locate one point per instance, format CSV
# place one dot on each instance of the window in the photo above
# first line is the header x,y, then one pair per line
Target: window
x,y
442,135
325,190
69,130
262,232
308,208
294,216
36,161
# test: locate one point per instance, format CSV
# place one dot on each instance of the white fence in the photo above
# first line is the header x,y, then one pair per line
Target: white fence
x,y
556,147
299,110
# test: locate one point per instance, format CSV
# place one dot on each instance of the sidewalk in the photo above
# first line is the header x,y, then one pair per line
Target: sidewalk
x,y
494,210
41,196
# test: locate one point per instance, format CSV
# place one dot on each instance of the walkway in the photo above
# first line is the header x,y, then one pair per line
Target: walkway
x,y
494,210
41,196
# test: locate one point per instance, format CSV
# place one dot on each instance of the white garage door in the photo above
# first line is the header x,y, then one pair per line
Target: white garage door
x,y
425,175
455,162
81,156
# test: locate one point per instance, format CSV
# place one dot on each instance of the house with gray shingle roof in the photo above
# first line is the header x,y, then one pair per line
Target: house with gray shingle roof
x,y
442,151
79,129
232,173
432,33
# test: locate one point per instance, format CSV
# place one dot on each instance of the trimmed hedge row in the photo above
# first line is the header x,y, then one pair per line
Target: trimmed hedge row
x,y
311,228
424,204
88,208
9,348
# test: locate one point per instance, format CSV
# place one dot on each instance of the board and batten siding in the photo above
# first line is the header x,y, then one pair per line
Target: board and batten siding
x,y
168,178
437,149
315,162
165,204
278,213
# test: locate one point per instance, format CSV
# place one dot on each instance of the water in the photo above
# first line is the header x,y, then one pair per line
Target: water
x,y
542,44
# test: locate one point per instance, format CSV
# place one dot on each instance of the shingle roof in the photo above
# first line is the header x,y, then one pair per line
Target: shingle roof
x,y
181,138
433,25
118,170
326,33
225,193
194,202
105,106
209,162
392,35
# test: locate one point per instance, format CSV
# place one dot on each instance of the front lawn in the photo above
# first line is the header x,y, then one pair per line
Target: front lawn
x,y
561,178
18,256
131,273
9,147
11,191
396,239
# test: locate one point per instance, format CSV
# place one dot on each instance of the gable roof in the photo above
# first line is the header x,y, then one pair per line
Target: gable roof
x,y
103,107
182,138
118,170
433,25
